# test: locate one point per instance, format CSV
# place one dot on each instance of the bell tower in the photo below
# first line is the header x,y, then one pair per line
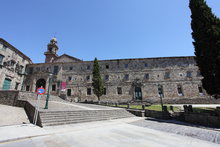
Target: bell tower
x,y
51,52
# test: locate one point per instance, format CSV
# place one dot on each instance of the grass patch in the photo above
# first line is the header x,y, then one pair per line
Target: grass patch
x,y
152,107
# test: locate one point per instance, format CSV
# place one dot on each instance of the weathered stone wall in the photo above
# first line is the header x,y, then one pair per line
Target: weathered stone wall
x,y
8,97
12,66
148,74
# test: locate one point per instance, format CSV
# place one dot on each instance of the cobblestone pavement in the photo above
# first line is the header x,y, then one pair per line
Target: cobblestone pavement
x,y
181,128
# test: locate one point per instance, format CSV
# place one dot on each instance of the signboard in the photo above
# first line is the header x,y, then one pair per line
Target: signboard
x,y
40,91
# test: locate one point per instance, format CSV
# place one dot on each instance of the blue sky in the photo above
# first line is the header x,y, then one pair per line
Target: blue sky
x,y
106,29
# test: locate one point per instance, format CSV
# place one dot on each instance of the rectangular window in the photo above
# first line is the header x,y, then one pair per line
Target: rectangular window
x,y
106,77
145,65
200,90
189,74
179,90
126,77
119,90
104,91
107,66
167,75
126,65
87,78
4,47
55,70
27,88
54,87
31,70
21,69
146,76
71,68
88,67
69,78
89,91
68,92
16,86
1,59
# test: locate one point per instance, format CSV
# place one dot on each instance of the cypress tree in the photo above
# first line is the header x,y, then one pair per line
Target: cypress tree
x,y
206,34
97,82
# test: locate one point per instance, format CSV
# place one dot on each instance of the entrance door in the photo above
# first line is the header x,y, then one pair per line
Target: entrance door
x,y
138,93
40,83
6,84
68,92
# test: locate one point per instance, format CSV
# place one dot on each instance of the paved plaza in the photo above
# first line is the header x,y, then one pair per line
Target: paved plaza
x,y
111,133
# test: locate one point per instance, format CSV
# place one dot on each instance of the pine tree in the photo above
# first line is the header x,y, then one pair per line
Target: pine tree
x,y
206,34
97,81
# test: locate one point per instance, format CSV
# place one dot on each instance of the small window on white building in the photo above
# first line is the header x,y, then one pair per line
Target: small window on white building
x,y
119,90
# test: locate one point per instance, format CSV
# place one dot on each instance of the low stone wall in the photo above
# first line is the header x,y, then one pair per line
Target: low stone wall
x,y
183,101
30,110
206,119
140,113
8,97
157,114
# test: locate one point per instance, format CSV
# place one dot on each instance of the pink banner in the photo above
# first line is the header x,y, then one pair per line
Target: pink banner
x,y
63,85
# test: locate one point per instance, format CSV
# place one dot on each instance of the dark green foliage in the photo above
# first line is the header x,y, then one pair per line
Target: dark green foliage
x,y
97,82
206,34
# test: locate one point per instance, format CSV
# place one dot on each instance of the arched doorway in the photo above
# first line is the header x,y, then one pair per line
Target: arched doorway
x,y
138,93
40,82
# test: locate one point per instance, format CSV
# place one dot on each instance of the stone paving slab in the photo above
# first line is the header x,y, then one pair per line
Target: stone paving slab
x,y
10,115
185,129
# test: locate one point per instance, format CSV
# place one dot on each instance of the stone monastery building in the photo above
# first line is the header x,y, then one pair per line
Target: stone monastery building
x,y
176,79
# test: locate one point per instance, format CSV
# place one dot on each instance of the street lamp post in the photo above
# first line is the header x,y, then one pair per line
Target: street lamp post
x,y
48,91
160,91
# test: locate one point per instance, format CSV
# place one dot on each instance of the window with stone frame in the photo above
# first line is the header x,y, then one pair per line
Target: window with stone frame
x,y
104,91
126,77
88,67
189,74
1,59
89,91
55,70
69,78
200,90
146,76
179,90
30,71
70,68
87,78
107,66
27,88
126,65
145,65
54,87
106,77
119,90
167,75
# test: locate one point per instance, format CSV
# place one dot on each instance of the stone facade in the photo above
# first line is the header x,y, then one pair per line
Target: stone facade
x,y
175,79
125,80
12,66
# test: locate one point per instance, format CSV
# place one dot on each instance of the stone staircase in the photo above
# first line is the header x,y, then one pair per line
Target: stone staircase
x,y
52,118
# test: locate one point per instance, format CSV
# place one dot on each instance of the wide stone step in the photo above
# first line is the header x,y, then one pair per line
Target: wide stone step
x,y
81,118
76,121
